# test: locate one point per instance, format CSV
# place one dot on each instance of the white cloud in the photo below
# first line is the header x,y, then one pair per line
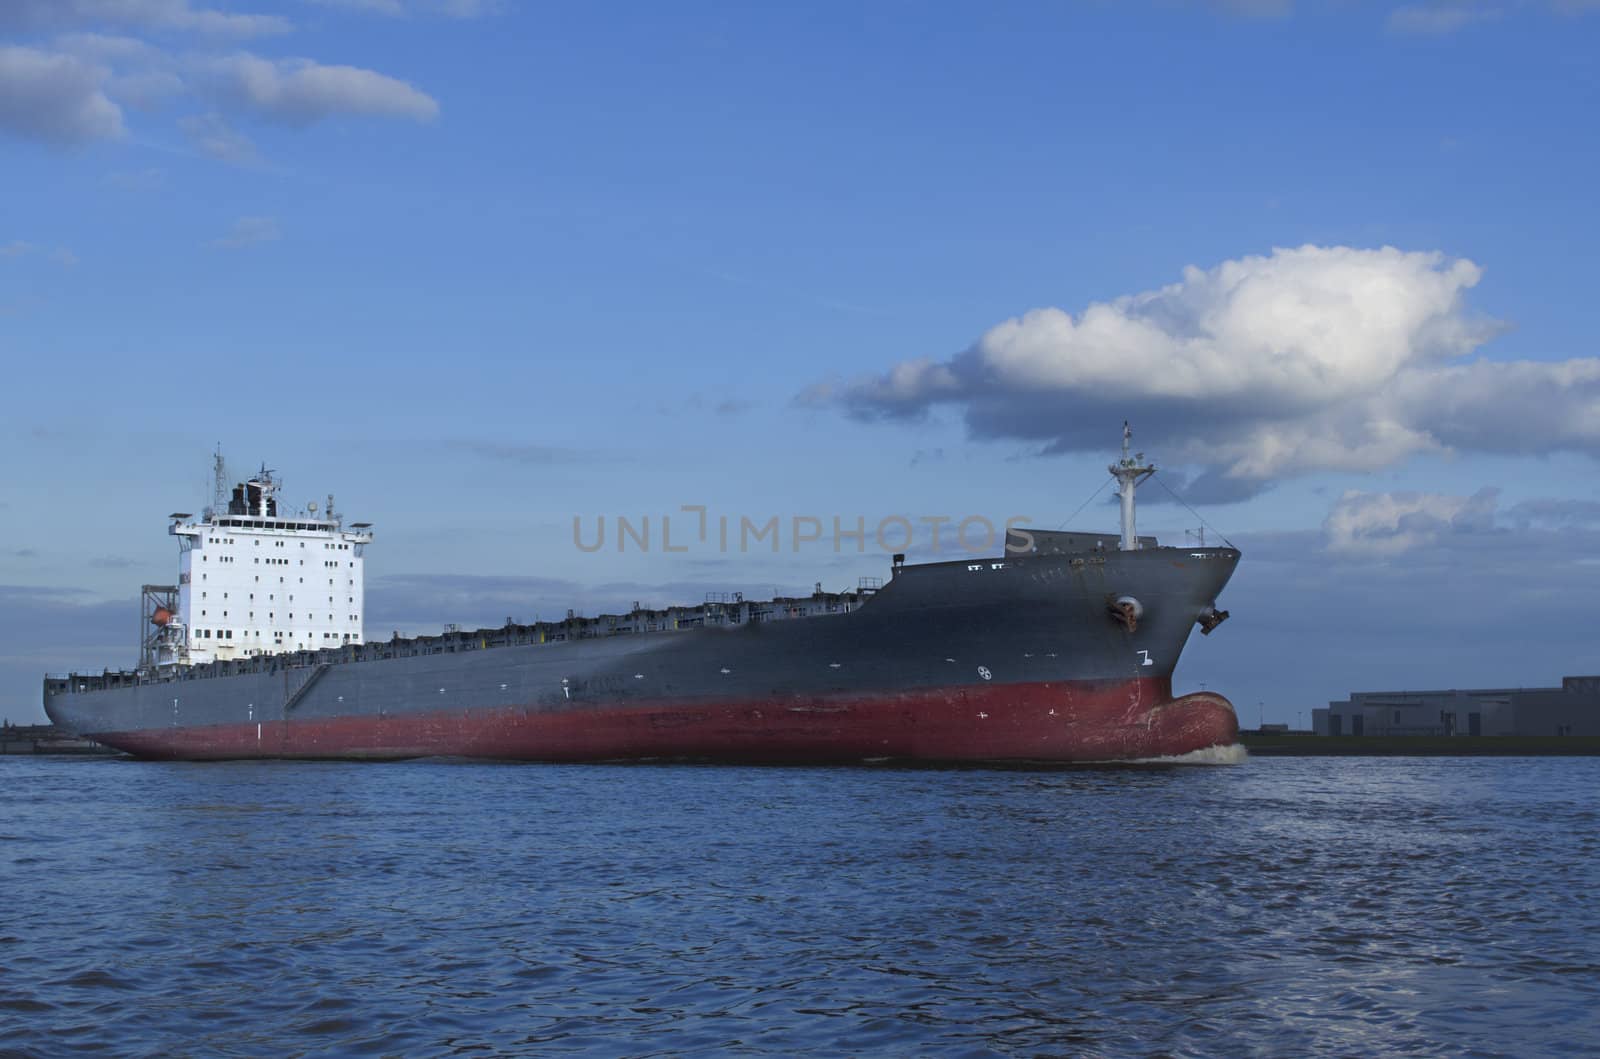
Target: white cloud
x,y
299,91
54,98
1524,407
107,55
1301,360
249,231
1385,524
214,137
24,15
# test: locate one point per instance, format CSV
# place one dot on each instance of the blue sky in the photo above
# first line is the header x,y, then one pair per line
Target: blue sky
x,y
479,268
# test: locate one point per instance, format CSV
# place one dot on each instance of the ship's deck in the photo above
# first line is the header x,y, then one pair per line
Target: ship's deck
x,y
719,609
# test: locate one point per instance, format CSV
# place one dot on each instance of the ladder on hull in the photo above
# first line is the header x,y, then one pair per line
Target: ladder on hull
x,y
300,692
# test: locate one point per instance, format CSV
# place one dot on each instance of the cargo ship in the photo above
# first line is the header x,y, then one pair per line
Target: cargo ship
x,y
1059,649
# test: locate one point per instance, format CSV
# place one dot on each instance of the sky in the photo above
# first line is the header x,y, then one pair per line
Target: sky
x,y
490,271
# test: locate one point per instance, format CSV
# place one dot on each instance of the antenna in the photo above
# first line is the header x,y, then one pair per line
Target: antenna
x,y
219,482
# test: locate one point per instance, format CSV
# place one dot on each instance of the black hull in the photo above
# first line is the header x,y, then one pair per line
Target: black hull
x,y
942,646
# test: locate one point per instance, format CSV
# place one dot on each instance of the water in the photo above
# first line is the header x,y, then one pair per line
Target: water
x,y
1277,907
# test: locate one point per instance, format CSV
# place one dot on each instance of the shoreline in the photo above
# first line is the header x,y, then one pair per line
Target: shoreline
x,y
1285,744
46,739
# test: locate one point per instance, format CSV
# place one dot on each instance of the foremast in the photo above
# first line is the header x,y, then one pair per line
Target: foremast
x,y
1129,472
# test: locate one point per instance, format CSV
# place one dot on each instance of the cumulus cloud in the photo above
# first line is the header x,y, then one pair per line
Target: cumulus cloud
x,y
54,98
33,15
1301,360
248,231
299,91
104,55
1382,524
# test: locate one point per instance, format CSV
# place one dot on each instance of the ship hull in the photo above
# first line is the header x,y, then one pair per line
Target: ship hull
x,y
1021,723
993,660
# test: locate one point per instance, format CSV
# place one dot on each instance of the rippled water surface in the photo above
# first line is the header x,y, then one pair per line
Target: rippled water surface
x,y
1281,907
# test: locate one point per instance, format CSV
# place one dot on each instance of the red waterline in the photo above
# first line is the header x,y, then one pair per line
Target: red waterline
x,y
1081,721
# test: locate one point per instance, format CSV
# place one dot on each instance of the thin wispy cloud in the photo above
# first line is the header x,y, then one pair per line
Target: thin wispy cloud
x,y
105,47
1437,19
150,178
249,231
1556,512
113,562
212,136
530,454
1255,8
401,8
148,90
393,8
180,15
300,91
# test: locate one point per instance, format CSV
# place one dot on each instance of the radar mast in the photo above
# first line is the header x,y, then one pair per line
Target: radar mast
x,y
1129,472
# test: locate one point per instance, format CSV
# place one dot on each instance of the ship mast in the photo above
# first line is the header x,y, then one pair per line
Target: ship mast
x,y
219,485
1129,472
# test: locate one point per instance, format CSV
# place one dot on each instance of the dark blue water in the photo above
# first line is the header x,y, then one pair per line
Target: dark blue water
x,y
1279,907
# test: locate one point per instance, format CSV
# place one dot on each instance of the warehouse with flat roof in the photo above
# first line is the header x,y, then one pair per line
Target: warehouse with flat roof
x,y
1571,709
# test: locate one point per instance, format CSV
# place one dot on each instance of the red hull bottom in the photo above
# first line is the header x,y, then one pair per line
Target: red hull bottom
x,y
1103,721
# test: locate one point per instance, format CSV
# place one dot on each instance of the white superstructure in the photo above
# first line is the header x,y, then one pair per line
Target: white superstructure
x,y
255,580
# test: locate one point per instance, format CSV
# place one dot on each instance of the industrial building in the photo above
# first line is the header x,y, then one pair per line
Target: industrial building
x,y
1571,709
